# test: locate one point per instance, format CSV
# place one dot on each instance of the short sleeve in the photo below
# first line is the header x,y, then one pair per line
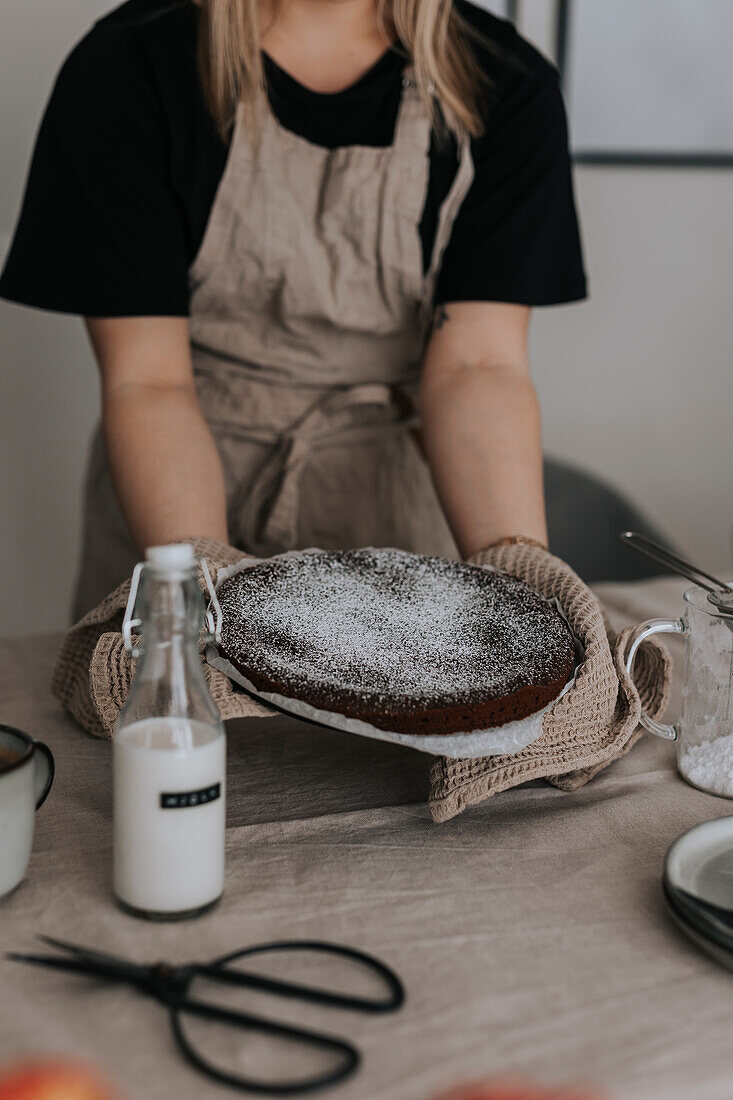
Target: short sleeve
x,y
100,233
516,237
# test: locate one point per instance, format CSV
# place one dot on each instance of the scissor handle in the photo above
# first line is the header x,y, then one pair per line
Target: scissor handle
x,y
349,1057
220,970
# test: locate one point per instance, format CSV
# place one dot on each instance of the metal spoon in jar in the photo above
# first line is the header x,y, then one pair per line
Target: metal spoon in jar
x,y
720,594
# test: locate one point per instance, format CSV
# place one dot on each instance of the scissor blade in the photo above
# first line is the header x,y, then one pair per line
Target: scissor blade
x,y
52,962
99,960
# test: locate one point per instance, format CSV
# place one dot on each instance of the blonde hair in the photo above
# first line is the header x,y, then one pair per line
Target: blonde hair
x,y
431,31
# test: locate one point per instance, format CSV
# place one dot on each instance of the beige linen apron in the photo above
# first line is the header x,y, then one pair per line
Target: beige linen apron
x,y
309,313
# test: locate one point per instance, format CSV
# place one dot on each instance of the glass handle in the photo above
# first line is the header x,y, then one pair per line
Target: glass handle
x,y
642,632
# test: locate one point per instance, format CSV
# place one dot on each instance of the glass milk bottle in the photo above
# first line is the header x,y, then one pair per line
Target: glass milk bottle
x,y
169,751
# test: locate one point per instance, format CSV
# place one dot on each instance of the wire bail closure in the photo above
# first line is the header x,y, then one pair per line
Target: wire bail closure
x,y
130,622
214,616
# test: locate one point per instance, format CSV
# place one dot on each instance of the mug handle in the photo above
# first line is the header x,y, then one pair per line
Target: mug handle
x,y
45,767
642,632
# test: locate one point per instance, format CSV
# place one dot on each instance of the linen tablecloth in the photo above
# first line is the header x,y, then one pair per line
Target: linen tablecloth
x,y
530,932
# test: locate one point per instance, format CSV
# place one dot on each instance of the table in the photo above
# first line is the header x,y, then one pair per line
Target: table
x,y
530,932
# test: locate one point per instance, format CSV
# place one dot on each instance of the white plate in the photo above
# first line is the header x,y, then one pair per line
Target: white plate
x,y
698,887
700,862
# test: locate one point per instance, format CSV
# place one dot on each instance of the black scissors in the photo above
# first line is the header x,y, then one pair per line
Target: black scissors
x,y
170,986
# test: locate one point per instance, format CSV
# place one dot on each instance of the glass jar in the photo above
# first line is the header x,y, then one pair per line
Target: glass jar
x,y
704,733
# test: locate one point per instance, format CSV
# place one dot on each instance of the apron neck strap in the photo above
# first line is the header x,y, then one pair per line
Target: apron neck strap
x,y
412,128
446,218
412,135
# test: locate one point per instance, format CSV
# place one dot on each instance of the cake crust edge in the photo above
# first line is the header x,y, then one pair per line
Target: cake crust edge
x,y
423,721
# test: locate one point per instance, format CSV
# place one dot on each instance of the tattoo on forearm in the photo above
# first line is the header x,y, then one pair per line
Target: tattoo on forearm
x,y
441,316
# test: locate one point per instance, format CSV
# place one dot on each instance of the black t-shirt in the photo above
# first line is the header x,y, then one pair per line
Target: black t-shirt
x,y
128,161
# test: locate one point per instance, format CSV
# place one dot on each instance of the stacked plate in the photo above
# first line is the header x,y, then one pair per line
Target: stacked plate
x,y
698,887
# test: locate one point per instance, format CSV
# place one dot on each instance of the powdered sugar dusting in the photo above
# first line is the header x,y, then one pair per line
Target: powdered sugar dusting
x,y
393,629
709,764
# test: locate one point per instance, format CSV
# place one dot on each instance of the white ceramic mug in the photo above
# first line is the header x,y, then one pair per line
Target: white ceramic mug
x,y
26,774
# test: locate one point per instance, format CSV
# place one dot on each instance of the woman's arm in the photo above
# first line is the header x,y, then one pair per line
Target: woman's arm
x,y
481,424
164,462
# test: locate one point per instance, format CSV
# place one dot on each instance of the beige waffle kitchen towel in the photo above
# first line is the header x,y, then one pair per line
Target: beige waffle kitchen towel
x,y
596,721
592,724
94,670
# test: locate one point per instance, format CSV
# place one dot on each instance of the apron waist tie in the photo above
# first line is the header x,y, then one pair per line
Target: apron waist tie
x,y
275,487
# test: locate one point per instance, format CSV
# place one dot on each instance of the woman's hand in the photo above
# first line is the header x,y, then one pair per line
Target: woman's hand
x,y
481,424
164,461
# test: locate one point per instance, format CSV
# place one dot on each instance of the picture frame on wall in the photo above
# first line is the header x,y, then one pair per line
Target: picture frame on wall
x,y
648,83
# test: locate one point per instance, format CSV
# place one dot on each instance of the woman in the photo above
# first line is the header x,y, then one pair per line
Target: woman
x,y
289,227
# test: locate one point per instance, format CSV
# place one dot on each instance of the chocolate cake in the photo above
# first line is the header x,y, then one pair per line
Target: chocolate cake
x,y
406,643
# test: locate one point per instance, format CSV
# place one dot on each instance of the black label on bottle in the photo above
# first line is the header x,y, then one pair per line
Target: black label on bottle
x,y
180,800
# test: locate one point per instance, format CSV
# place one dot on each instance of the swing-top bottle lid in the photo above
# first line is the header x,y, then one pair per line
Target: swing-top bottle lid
x,y
175,558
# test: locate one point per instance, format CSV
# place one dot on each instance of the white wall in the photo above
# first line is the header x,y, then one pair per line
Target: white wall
x,y
635,385
48,387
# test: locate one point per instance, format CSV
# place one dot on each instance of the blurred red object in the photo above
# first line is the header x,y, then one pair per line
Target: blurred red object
x,y
513,1090
53,1080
